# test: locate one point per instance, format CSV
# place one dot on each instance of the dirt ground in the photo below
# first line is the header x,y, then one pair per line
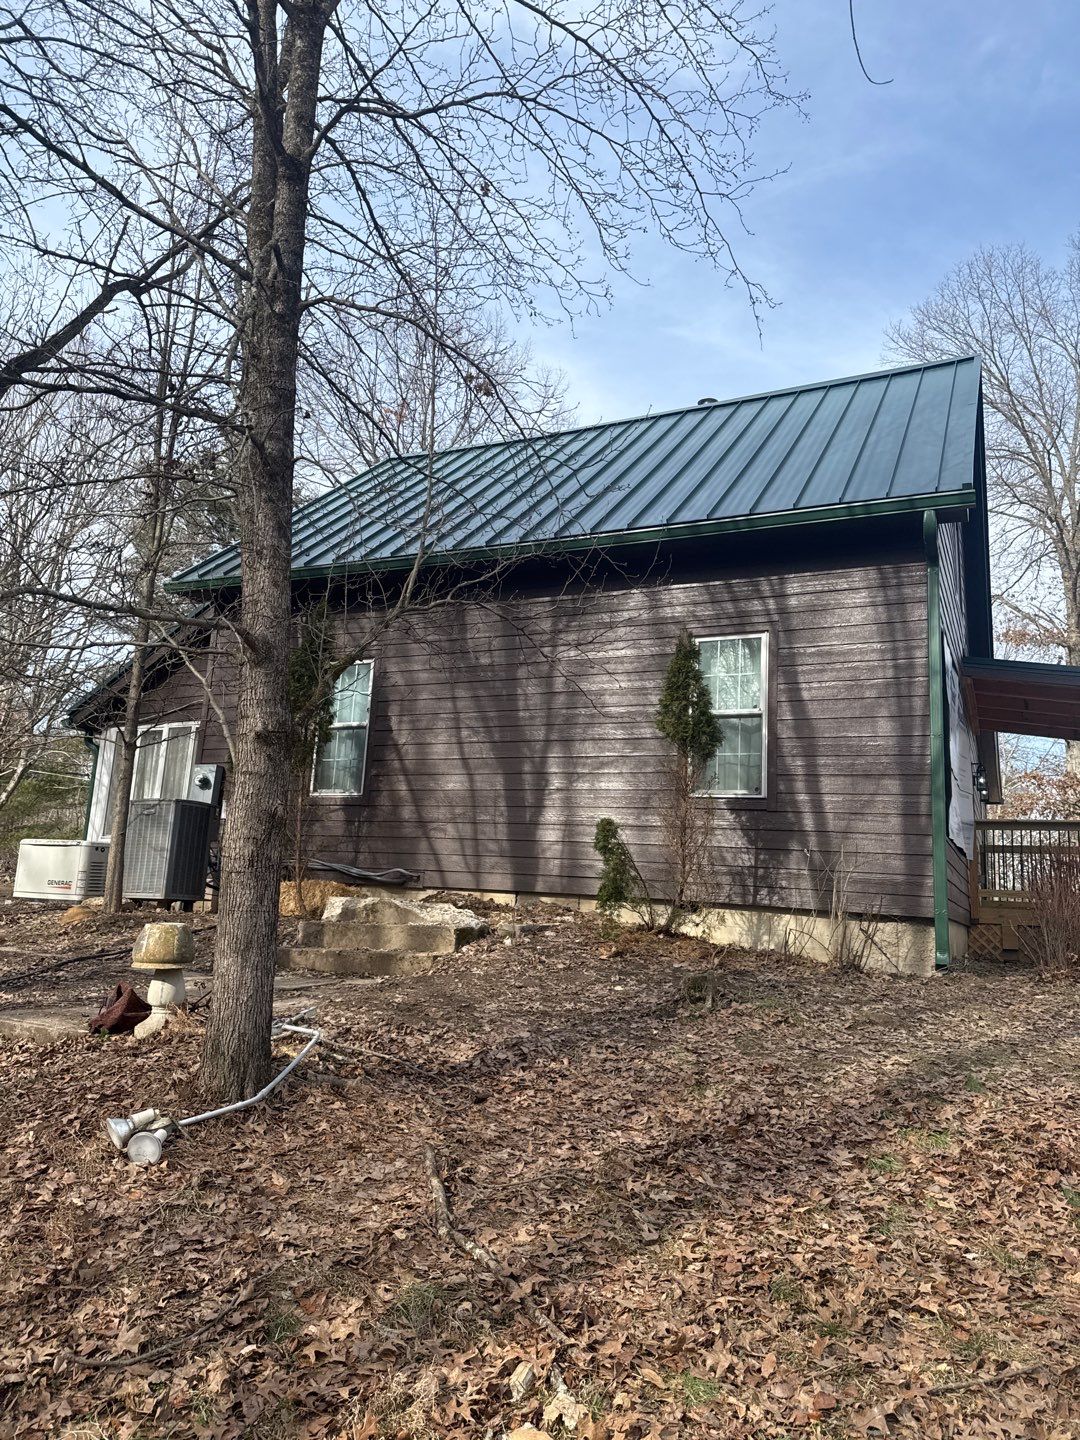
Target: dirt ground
x,y
831,1206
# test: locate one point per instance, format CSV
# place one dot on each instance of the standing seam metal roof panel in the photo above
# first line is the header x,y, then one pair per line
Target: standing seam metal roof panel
x,y
898,435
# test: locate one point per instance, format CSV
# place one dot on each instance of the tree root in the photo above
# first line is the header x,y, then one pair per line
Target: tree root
x,y
123,1362
1013,1372
444,1224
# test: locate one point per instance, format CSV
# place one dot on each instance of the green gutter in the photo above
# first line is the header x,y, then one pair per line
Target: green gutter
x,y
939,805
826,514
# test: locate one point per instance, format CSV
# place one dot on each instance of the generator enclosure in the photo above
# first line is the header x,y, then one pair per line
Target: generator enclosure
x,y
70,870
167,850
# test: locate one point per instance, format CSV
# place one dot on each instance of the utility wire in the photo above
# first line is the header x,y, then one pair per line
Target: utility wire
x,y
858,52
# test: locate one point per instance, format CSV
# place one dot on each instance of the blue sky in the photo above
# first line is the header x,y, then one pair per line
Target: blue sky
x,y
976,142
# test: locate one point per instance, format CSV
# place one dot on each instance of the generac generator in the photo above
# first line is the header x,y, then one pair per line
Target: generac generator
x,y
69,870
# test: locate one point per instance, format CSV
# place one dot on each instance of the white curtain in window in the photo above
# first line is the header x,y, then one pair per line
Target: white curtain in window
x,y
734,670
339,766
164,755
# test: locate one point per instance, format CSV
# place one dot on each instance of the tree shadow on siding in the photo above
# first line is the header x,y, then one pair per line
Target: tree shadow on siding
x,y
848,776
477,719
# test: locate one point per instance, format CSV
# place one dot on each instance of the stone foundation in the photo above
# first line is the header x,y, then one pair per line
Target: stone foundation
x,y
380,934
899,947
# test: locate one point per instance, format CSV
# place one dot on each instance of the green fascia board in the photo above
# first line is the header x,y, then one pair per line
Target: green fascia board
x,y
943,502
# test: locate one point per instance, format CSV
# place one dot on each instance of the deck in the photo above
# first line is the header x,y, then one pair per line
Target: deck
x,y
1012,859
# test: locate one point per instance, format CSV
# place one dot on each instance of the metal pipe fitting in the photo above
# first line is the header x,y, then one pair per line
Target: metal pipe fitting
x,y
142,1135
121,1128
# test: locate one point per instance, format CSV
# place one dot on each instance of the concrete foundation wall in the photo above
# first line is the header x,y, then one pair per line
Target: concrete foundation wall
x,y
958,940
890,947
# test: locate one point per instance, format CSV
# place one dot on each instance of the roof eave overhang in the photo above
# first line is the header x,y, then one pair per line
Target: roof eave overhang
x,y
949,504
1022,697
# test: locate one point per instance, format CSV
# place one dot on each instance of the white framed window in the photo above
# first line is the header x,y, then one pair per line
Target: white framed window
x,y
339,765
164,756
736,670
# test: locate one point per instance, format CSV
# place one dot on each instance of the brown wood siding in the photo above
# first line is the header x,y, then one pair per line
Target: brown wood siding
x,y
183,696
501,732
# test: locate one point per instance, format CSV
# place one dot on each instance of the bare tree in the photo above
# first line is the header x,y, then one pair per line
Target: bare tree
x,y
447,377
173,486
1035,781
542,135
51,503
1021,316
45,331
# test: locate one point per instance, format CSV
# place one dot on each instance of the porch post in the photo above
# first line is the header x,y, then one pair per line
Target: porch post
x,y
939,805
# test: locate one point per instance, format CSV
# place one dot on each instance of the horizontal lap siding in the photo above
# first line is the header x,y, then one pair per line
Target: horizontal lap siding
x,y
183,696
501,733
498,739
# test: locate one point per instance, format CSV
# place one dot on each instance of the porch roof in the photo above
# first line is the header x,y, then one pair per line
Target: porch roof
x,y
1020,697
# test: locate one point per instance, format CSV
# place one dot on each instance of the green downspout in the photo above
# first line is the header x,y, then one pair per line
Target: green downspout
x,y
95,751
939,806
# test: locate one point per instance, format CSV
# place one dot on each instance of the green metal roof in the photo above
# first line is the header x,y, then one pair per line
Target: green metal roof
x,y
895,440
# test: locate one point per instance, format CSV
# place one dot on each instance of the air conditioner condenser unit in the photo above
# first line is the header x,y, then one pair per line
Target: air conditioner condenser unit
x,y
70,870
167,850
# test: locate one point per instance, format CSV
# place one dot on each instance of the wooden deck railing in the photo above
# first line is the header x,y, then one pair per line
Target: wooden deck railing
x,y
1012,855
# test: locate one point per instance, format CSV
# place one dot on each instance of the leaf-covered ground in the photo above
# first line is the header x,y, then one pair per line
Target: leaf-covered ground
x,y
834,1206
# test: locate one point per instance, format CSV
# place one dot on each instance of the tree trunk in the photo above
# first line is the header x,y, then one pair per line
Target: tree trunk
x,y
158,497
15,777
236,1054
1071,581
123,774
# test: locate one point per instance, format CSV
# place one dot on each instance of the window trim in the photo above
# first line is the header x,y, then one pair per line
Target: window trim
x,y
103,779
166,727
349,794
764,709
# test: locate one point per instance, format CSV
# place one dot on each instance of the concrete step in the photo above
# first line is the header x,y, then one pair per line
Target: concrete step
x,y
356,935
331,961
43,1027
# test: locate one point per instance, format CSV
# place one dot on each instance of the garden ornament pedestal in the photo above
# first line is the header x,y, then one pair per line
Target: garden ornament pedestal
x,y
162,950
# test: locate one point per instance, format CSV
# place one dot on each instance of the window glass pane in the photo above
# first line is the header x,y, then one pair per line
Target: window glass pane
x,y
340,766
147,758
110,759
352,695
707,654
735,674
732,670
749,673
735,769
176,776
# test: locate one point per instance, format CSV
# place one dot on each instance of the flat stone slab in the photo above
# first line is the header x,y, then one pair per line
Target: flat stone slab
x,y
354,962
287,984
43,1027
391,923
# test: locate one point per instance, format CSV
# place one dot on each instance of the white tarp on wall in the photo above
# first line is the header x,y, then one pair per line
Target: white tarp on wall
x,y
962,757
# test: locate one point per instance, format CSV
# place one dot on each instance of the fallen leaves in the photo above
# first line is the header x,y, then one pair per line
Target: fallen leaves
x,y
794,1216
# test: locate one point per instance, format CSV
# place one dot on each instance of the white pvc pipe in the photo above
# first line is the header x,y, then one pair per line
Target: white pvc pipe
x,y
316,1036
